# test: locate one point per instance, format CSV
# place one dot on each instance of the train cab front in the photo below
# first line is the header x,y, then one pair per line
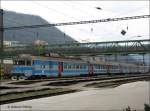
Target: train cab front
x,y
22,69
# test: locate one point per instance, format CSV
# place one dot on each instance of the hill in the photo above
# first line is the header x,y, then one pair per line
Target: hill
x,y
50,34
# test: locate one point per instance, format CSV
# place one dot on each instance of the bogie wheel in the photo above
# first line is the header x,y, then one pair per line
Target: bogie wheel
x,y
21,78
14,78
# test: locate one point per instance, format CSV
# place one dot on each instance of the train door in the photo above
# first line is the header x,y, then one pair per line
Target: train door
x,y
60,68
108,69
90,69
120,70
43,67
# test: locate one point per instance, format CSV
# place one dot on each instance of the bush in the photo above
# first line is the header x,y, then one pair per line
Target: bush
x,y
146,107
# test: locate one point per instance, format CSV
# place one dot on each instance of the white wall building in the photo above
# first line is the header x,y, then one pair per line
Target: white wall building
x,y
11,43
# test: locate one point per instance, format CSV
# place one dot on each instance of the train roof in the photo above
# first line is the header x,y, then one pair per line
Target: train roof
x,y
70,59
114,63
55,58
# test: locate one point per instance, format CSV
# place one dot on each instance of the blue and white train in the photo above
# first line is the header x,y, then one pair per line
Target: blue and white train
x,y
49,67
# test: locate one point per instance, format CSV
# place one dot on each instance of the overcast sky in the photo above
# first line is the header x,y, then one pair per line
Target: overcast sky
x,y
69,11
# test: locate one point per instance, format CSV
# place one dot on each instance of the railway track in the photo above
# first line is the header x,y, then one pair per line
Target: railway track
x,y
73,83
80,79
97,77
104,79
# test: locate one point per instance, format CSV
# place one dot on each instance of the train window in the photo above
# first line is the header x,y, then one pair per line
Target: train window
x,y
33,62
65,66
99,66
44,66
112,67
28,63
104,66
82,66
77,66
96,66
69,66
73,66
15,62
21,62
50,66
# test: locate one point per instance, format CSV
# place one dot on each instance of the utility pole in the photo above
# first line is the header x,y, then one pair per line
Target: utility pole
x,y
149,72
1,43
38,44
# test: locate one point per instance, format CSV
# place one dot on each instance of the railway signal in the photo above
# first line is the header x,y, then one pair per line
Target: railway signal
x,y
123,32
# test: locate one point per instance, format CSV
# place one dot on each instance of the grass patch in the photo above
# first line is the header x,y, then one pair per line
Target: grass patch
x,y
31,94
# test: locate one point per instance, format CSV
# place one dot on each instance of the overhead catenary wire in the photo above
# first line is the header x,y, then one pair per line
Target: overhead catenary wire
x,y
126,13
85,31
76,23
87,13
54,10
65,15
28,30
80,11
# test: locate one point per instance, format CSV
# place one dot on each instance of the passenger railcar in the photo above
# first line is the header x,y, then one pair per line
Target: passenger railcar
x,y
27,66
37,66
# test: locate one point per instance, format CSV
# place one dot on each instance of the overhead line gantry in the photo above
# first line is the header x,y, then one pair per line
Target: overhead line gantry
x,y
81,22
